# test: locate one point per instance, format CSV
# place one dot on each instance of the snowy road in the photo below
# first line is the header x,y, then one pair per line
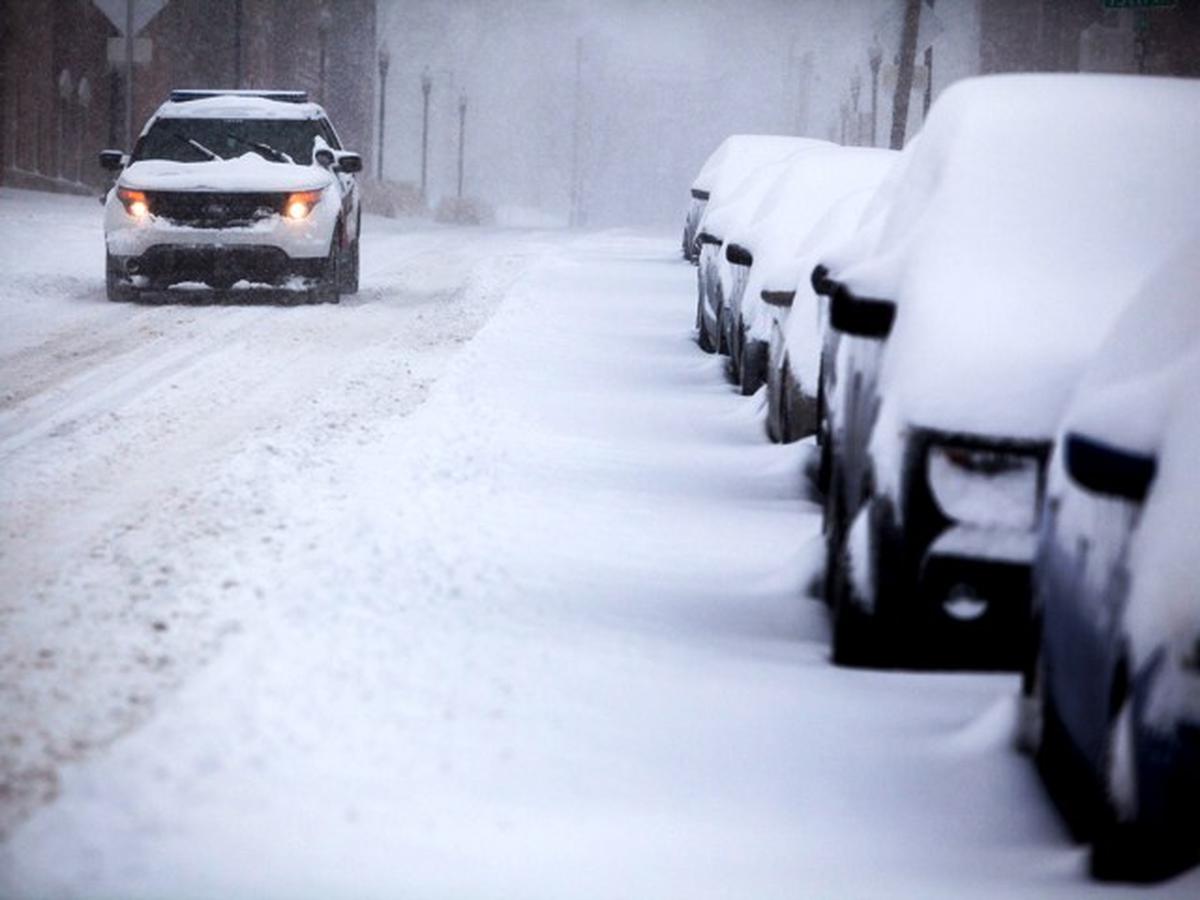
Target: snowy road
x,y
481,585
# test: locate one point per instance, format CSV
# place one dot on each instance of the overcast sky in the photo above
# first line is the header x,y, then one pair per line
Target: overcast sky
x,y
662,81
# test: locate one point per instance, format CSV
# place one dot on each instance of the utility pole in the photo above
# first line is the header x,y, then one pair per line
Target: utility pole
x,y
128,76
575,217
462,132
237,44
904,71
875,58
384,61
426,87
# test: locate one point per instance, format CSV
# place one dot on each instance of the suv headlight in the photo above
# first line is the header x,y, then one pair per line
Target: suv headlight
x,y
980,486
299,204
135,202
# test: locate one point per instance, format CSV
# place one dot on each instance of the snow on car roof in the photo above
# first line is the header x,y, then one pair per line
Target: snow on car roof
x,y
1123,395
740,154
237,106
1027,216
813,182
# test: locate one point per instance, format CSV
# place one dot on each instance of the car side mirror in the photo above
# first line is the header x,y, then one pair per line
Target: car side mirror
x,y
822,284
350,163
705,238
860,316
1104,469
698,194
739,255
112,160
324,157
782,299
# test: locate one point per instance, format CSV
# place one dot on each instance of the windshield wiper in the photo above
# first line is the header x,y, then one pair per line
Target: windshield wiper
x,y
265,149
199,146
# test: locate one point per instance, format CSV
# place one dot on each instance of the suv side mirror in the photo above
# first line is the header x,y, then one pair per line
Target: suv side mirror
x,y
1104,469
739,255
112,160
781,299
349,163
859,316
822,284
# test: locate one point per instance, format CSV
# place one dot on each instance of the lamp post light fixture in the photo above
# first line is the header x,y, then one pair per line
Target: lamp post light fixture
x,y
462,131
426,87
875,58
384,62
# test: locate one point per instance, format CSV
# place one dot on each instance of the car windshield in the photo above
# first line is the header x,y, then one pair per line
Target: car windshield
x,y
187,140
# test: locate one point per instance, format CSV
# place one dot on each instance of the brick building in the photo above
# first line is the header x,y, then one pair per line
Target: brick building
x,y
61,100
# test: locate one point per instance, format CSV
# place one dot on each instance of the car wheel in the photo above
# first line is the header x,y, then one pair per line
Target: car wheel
x,y
349,268
707,341
751,365
328,285
854,640
118,290
776,412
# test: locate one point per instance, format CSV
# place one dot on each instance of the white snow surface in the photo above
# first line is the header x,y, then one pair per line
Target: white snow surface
x,y
248,172
506,615
1029,214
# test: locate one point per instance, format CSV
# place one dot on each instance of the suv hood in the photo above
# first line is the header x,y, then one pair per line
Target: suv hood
x,y
246,173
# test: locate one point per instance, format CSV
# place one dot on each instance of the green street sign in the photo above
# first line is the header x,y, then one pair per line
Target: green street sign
x,y
1139,4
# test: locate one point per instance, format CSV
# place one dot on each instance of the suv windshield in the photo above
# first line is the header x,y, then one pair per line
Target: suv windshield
x,y
177,139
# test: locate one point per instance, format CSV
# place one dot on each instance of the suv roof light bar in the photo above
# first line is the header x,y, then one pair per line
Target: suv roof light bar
x,y
182,96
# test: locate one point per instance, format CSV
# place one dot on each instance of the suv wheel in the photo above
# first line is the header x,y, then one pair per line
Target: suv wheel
x,y
118,290
328,287
348,276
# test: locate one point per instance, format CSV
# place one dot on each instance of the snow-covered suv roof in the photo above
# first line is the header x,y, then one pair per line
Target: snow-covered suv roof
x,y
238,105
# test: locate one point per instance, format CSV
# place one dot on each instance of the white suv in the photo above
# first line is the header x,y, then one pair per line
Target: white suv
x,y
225,187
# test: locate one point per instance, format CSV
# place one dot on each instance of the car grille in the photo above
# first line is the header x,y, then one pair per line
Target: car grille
x,y
198,209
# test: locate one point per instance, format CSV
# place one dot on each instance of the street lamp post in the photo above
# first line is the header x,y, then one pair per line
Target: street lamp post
x,y
384,60
324,21
462,131
426,87
855,91
875,58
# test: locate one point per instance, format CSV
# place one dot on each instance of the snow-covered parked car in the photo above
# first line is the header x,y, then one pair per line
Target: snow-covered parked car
x,y
788,220
229,186
736,187
1027,214
735,158
1113,682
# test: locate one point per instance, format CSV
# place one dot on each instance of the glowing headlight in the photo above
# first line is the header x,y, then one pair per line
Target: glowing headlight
x,y
300,204
135,202
984,487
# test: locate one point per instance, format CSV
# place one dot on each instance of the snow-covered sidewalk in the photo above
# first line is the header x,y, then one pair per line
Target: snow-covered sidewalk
x,y
549,638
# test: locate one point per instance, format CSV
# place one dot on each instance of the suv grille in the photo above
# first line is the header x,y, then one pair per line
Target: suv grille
x,y
198,209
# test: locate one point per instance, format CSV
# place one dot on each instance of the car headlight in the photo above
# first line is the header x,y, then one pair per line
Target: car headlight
x,y
135,202
300,204
980,486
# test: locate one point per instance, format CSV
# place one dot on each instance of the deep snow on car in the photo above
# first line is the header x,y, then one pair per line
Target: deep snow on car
x,y
1023,220
1113,677
234,186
